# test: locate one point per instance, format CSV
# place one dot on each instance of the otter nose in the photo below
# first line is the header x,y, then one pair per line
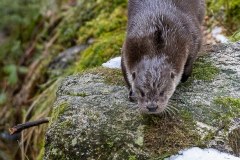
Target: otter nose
x,y
152,108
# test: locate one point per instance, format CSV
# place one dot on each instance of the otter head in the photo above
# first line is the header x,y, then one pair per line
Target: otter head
x,y
153,83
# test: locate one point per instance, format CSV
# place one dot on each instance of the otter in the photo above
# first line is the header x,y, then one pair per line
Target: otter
x,y
162,42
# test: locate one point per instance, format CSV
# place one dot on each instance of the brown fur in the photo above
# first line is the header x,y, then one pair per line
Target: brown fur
x,y
167,35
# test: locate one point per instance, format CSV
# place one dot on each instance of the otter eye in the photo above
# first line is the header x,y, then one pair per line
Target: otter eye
x,y
172,75
142,93
133,75
161,93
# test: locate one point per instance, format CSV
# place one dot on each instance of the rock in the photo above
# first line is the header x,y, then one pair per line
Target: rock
x,y
65,58
93,119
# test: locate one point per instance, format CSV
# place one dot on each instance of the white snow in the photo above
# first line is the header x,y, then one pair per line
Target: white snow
x,y
113,63
196,153
217,34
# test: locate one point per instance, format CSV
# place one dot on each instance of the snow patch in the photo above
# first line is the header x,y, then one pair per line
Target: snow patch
x,y
113,63
217,34
196,153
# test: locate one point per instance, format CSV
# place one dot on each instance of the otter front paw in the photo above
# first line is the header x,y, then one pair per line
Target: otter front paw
x,y
131,96
184,78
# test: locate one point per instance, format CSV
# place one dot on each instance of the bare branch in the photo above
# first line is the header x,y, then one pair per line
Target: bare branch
x,y
20,127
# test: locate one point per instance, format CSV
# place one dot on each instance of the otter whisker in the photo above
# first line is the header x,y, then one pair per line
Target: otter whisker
x,y
171,111
174,108
165,113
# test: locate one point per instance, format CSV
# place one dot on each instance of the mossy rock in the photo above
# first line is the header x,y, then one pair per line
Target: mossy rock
x,y
100,122
102,50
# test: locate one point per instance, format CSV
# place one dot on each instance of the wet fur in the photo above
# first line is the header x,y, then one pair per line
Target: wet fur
x,y
157,30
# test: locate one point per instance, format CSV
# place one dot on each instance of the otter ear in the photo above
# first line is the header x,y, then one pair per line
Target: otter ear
x,y
172,75
133,75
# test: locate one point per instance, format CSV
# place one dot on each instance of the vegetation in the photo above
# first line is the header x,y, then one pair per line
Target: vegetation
x,y
236,36
231,107
204,70
18,22
166,137
226,13
33,33
116,77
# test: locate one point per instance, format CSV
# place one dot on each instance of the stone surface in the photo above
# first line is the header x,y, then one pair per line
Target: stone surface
x,y
93,119
65,58
225,84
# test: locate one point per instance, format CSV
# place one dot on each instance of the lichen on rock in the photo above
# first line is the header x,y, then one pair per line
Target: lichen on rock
x,y
95,120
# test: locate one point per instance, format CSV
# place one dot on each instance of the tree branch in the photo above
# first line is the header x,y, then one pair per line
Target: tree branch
x,y
20,127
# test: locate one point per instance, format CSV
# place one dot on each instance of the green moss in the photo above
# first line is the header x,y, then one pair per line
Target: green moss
x,y
58,110
104,23
111,76
132,157
167,135
78,19
204,70
235,37
229,102
231,107
106,47
107,30
65,124
79,94
110,144
82,94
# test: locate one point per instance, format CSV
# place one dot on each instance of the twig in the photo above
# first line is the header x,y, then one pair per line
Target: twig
x,y
20,127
